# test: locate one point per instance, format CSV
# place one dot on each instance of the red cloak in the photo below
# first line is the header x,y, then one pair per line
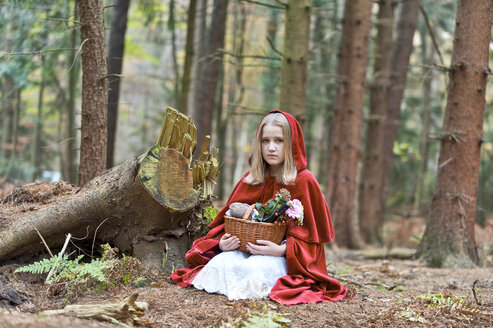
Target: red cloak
x,y
307,279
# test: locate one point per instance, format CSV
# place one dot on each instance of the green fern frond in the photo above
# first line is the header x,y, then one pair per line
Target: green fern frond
x,y
42,266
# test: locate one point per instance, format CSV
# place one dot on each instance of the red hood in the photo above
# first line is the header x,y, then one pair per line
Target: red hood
x,y
299,152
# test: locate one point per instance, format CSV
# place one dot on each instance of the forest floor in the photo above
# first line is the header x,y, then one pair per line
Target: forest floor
x,y
388,292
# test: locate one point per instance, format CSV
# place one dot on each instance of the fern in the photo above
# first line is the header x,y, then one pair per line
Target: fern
x,y
45,265
65,269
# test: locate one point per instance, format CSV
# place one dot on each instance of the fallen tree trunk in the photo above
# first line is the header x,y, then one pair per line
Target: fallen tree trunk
x,y
148,207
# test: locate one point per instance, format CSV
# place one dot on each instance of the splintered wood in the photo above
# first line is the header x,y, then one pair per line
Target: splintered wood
x,y
206,169
165,169
178,132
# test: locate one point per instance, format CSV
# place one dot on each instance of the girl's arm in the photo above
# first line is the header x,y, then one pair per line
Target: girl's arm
x,y
267,247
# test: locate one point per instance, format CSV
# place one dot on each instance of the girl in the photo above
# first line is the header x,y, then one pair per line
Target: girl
x,y
291,273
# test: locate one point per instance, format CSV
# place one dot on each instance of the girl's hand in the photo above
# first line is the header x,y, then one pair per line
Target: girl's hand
x,y
229,243
266,247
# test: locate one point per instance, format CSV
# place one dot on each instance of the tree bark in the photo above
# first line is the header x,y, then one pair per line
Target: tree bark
x,y
235,95
348,117
15,127
403,46
295,59
270,75
328,63
115,62
189,54
371,186
427,54
176,68
212,67
38,129
8,101
199,60
116,202
94,91
449,236
68,154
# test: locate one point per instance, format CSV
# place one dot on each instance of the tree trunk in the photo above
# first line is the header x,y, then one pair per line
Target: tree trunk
x,y
403,46
427,58
189,53
199,61
8,99
176,68
15,127
235,95
94,91
115,60
69,171
148,206
116,202
212,67
449,236
295,59
370,205
38,129
270,75
328,64
348,117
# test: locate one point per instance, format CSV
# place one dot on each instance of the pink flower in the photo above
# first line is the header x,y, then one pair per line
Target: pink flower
x,y
296,211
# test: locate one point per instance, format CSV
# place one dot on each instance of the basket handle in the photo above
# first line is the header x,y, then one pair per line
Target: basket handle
x,y
248,212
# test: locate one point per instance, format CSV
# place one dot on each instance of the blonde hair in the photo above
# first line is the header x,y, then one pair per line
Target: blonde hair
x,y
258,166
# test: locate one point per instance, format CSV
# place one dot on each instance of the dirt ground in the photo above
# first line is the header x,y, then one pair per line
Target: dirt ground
x,y
388,292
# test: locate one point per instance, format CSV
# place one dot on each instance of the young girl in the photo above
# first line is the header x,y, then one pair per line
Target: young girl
x,y
291,273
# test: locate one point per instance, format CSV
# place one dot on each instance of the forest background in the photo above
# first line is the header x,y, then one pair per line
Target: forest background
x,y
227,78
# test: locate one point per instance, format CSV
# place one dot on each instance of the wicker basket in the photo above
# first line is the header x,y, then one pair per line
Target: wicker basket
x,y
251,231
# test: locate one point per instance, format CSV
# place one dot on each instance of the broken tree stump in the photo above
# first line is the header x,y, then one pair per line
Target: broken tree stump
x,y
149,207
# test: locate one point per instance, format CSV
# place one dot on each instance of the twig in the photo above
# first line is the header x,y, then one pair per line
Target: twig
x,y
95,233
109,319
238,64
265,4
432,35
285,5
44,242
446,162
112,75
87,235
274,47
77,53
474,292
38,52
249,56
59,257
246,110
62,20
80,249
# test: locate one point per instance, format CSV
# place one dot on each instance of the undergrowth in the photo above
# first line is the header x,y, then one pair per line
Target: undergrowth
x,y
69,277
457,307
210,213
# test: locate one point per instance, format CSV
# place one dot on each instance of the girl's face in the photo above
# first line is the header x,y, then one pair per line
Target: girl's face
x,y
273,146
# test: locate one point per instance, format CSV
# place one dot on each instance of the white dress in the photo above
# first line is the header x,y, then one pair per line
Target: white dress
x,y
239,275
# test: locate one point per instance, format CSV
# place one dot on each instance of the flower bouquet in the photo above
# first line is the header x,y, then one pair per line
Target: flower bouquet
x,y
280,209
